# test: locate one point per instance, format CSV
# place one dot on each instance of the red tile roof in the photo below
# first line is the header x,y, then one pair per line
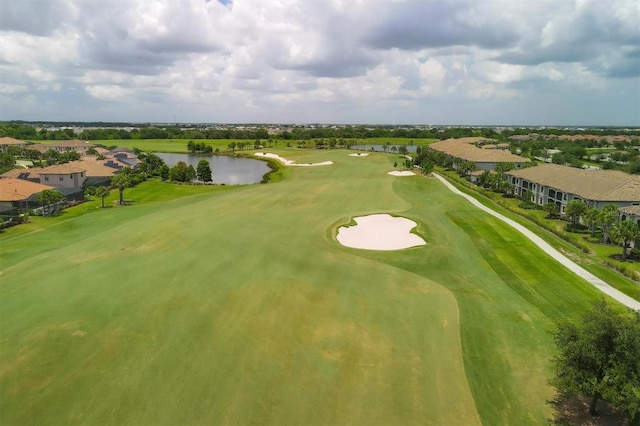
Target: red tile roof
x,y
11,141
60,169
19,189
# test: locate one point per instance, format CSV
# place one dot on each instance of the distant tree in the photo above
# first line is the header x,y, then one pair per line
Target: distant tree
x,y
191,147
48,197
204,171
402,150
466,167
599,357
164,172
191,173
121,181
182,172
7,161
68,156
623,233
154,163
575,209
427,166
51,156
591,218
608,216
232,146
502,168
552,210
102,192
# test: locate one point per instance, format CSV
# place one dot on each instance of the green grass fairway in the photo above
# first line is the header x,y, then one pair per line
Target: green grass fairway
x,y
238,306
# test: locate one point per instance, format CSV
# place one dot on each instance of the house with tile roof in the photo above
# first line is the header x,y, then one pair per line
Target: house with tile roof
x,y
484,156
19,193
65,175
72,145
6,142
552,183
97,171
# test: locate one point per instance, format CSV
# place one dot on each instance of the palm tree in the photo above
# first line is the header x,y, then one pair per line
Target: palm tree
x,y
607,218
624,232
575,209
102,192
121,181
591,217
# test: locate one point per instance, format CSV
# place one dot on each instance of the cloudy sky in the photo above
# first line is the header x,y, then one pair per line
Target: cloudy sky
x,y
529,62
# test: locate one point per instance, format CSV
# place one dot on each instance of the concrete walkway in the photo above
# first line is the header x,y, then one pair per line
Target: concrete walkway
x,y
569,264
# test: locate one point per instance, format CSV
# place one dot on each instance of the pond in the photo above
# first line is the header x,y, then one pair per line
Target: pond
x,y
410,148
225,170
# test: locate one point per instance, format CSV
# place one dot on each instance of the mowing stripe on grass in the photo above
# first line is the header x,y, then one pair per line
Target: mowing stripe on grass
x,y
562,259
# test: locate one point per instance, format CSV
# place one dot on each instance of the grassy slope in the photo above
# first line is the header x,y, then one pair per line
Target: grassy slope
x,y
239,307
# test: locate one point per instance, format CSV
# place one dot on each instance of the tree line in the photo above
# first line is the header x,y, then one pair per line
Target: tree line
x,y
23,131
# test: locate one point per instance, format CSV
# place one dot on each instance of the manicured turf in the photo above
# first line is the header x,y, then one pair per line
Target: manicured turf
x,y
238,306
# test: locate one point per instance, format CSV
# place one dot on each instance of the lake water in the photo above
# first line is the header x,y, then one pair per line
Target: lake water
x,y
410,148
225,170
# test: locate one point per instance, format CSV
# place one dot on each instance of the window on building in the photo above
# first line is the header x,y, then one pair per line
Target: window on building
x,y
46,178
61,177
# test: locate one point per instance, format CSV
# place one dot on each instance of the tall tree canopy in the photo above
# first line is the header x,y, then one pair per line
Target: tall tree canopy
x,y
203,171
600,357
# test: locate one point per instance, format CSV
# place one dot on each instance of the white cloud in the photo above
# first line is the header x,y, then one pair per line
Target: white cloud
x,y
358,60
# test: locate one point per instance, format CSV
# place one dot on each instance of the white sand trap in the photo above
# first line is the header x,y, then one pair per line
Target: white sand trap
x,y
291,162
379,232
359,154
402,173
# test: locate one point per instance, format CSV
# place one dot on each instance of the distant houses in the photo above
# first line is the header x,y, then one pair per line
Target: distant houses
x,y
19,187
480,151
6,142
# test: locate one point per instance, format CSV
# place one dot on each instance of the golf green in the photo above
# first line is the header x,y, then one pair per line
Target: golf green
x,y
240,307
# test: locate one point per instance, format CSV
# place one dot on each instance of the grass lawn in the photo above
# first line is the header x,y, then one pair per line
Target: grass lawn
x,y
238,306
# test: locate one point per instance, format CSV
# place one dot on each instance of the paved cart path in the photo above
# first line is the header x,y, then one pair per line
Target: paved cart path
x,y
566,262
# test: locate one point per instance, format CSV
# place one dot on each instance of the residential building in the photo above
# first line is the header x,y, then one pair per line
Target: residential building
x,y
81,147
6,142
19,193
485,156
62,176
552,183
98,172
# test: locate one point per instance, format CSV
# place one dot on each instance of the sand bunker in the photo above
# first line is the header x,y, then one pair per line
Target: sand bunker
x,y
402,173
359,154
380,232
291,162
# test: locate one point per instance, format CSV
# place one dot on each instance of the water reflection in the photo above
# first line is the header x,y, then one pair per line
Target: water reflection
x,y
225,170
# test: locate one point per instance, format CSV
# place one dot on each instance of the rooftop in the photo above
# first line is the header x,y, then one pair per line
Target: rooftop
x,y
633,210
11,141
12,189
589,184
60,169
466,149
